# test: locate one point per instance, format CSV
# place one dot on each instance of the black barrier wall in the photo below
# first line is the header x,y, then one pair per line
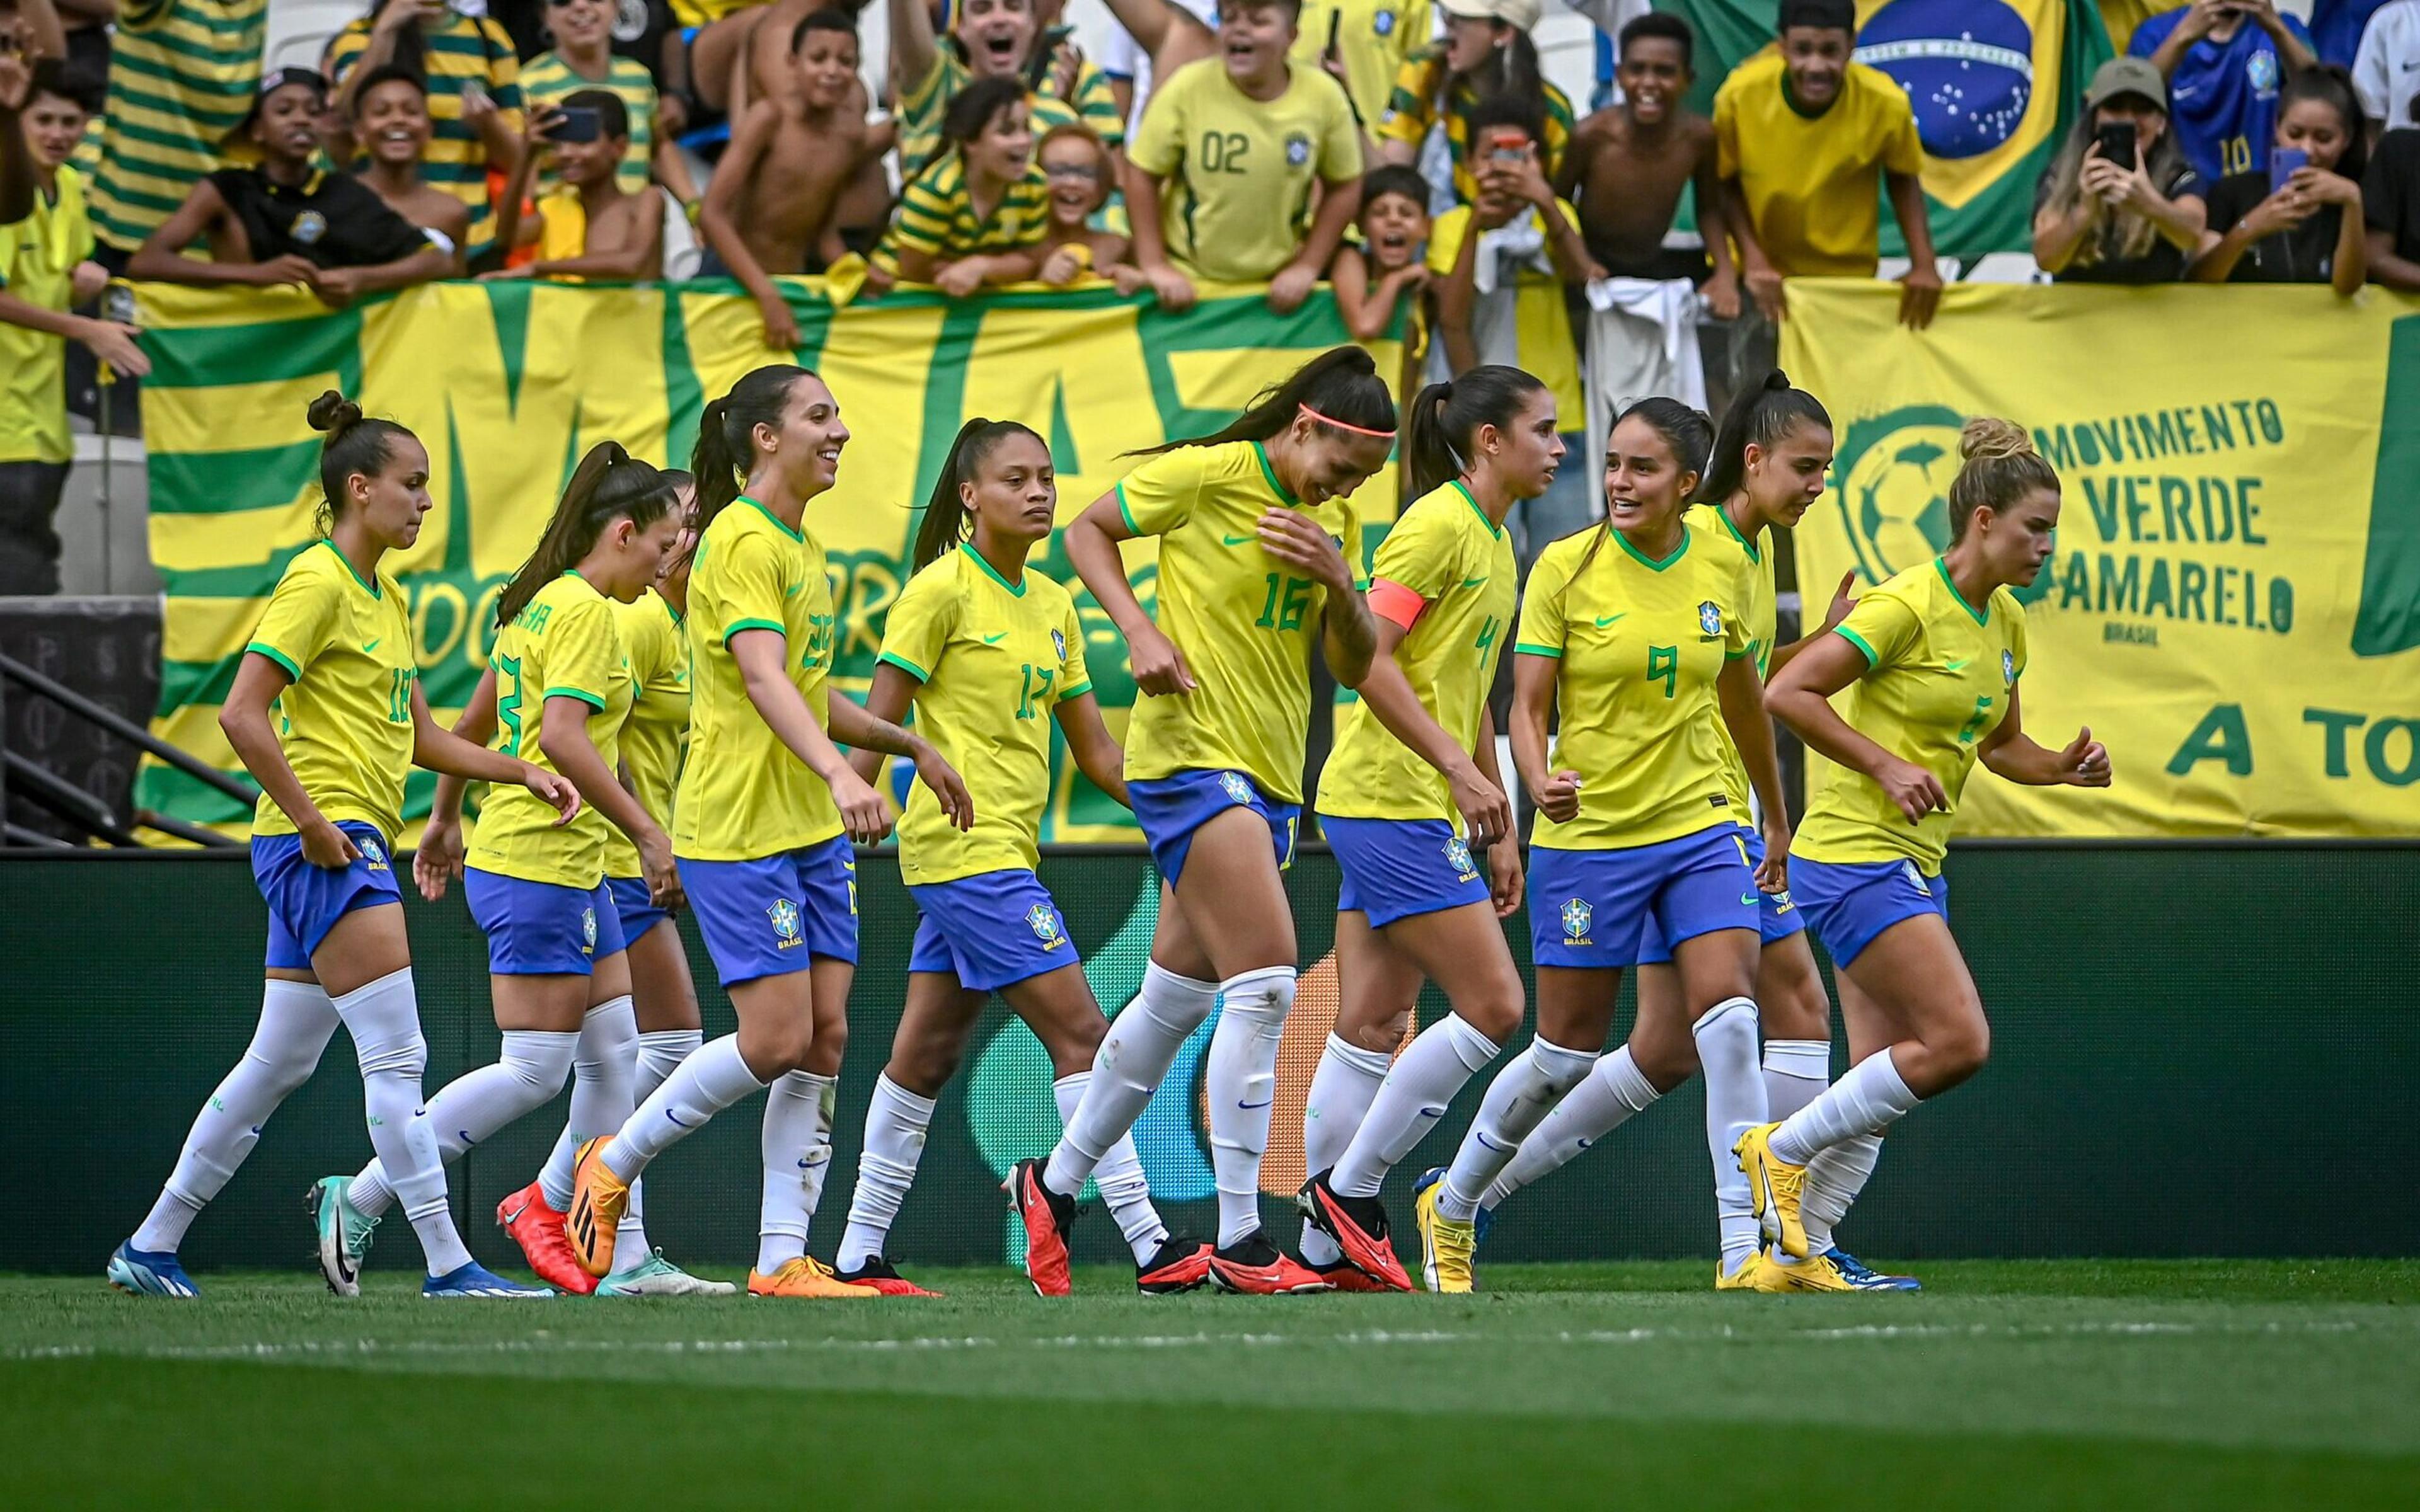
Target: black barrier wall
x,y
2198,1050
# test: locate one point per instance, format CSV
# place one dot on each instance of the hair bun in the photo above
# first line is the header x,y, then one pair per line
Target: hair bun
x,y
331,412
1775,382
1986,438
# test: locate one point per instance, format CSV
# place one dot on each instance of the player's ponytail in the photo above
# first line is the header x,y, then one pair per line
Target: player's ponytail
x,y
356,447
946,518
609,485
1341,388
1441,429
726,434
1687,434
1759,415
1997,468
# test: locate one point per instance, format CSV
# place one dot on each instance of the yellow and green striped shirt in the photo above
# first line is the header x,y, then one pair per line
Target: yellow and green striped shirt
x,y
1412,110
182,74
936,215
921,112
465,50
546,80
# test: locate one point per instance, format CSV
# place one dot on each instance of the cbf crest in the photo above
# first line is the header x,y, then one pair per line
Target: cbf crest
x,y
1710,620
1044,921
2007,668
1058,643
1237,787
1457,856
1577,916
372,852
783,915
588,932
1298,149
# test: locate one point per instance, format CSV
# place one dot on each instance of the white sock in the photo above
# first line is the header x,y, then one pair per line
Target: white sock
x,y
383,1018
296,1022
1132,1061
1833,1178
1795,1073
1242,1078
1341,1090
604,1065
1123,1188
1616,1089
819,1146
794,1104
1423,1080
699,1088
1726,1036
895,1122
1870,1099
529,1071
1517,1101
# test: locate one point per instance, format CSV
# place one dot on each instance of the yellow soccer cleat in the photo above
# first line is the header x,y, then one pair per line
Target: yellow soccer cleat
x,y
805,1276
1446,1244
1775,1187
1817,1275
598,1199
1748,1277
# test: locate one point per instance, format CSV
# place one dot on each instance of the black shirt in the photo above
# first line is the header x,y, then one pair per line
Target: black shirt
x,y
2390,192
333,218
2306,253
2164,263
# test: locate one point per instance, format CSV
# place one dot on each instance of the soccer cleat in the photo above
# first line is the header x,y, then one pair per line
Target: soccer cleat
x,y
598,1199
1862,1279
142,1273
477,1280
884,1278
1347,1276
1048,1216
1818,1275
538,1228
1180,1264
656,1276
805,1276
1748,1277
1446,1244
1358,1226
1775,1187
1253,1266
345,1234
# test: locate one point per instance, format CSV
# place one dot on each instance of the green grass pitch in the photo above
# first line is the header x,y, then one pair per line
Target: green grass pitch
x,y
2212,1385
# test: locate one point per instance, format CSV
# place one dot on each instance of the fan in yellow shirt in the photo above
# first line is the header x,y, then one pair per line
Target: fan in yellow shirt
x,y
1928,663
1259,551
327,715
1369,40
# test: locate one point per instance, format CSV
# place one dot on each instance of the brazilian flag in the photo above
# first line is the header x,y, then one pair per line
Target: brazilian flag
x,y
1995,83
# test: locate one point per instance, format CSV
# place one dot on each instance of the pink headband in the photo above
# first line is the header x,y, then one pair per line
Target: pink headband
x,y
1357,430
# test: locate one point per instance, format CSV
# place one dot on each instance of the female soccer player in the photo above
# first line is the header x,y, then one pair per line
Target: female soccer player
x,y
991,653
1636,631
763,823
1930,661
1768,466
562,691
333,658
1258,549
1417,753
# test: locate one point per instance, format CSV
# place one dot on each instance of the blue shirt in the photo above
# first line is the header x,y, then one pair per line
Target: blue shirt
x,y
2336,27
2222,100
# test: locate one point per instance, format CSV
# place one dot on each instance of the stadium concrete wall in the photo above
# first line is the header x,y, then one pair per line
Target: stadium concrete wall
x,y
2200,1049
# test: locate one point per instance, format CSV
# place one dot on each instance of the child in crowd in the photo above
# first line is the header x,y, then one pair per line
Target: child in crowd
x,y
391,124
583,58
1078,169
978,215
586,227
1375,276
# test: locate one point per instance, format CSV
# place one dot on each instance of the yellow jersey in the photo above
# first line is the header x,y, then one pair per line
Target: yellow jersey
x,y
1814,183
1938,677
656,731
1243,622
992,661
38,263
345,724
1639,644
1374,38
563,644
1763,614
1237,173
1445,549
742,793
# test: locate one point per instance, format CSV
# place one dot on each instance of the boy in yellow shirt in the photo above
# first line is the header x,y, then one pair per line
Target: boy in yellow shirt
x,y
586,227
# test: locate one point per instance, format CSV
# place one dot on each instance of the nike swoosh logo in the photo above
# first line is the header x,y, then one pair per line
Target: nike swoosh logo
x,y
1262,1103
1474,582
464,1135
792,591
1233,540
1747,900
1432,1113
993,639
1956,666
1584,1143
1603,619
372,645
676,1118
1490,1144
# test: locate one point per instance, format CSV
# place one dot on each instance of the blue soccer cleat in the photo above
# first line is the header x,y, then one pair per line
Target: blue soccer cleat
x,y
1862,1279
477,1280
141,1273
1480,1225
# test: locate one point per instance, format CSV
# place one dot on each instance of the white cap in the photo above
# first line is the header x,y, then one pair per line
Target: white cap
x,y
1521,13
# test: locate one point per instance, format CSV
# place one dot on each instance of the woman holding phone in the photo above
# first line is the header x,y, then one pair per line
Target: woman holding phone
x,y
2120,204
2298,220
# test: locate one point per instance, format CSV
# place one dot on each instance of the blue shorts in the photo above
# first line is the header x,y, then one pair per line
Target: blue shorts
x,y
542,929
1850,903
990,931
770,916
635,906
1397,867
1776,915
305,900
1591,909
1171,808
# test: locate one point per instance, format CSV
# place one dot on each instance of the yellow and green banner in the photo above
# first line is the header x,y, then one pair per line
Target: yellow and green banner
x,y
508,383
2234,605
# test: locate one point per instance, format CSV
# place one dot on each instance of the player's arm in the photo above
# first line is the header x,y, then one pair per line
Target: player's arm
x,y
1800,696
438,749
244,717
1740,695
563,736
1486,814
1841,604
1556,793
1505,882
438,859
855,726
2010,752
894,689
762,655
1092,540
1096,751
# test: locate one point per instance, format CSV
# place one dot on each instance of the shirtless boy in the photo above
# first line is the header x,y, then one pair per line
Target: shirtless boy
x,y
590,226
391,122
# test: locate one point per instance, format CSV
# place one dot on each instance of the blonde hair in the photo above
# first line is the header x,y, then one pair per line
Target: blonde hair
x,y
1998,467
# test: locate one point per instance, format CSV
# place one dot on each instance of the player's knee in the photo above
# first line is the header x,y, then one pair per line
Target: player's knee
x,y
402,1054
830,1044
1959,1050
1495,1012
776,1050
1074,1046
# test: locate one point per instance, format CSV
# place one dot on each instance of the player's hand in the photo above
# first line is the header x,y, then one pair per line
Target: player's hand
x,y
1558,797
946,784
286,268
1159,667
2085,761
863,813
1773,874
1174,290
555,790
1296,540
1915,791
1722,295
438,860
115,344
325,845
1842,602
662,877
1292,286
1764,287
781,326
1486,813
1505,882
1919,296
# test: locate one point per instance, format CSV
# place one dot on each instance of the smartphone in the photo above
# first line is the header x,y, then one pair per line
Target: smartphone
x,y
576,123
1508,146
1335,20
2117,140
2284,163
